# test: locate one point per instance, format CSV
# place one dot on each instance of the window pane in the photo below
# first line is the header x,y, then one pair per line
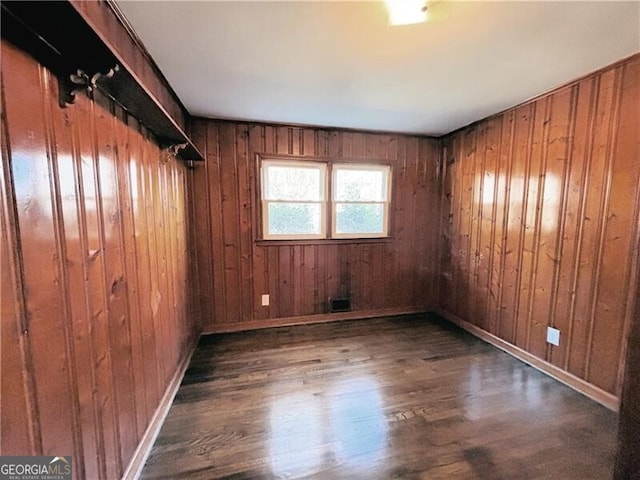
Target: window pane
x,y
360,185
294,219
294,183
359,218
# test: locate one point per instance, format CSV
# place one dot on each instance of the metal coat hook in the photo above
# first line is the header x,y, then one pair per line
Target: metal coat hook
x,y
76,82
174,150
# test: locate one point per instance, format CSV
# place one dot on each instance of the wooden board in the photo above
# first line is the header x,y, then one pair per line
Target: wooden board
x,y
300,278
560,228
95,290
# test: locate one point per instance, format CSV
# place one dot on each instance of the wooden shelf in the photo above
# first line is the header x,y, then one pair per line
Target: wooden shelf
x,y
60,39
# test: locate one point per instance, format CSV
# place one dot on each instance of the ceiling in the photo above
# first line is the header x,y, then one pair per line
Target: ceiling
x,y
340,64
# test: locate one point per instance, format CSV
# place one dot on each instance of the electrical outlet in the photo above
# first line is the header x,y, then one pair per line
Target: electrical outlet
x,y
265,300
553,336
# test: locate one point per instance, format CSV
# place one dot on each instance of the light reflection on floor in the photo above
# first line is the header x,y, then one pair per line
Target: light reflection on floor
x,y
407,400
300,445
295,439
477,404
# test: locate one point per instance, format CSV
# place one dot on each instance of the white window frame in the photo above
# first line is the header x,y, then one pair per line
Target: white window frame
x,y
386,169
323,168
328,203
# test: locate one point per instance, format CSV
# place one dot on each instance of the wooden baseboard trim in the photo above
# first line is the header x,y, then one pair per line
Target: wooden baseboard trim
x,y
310,319
597,394
139,458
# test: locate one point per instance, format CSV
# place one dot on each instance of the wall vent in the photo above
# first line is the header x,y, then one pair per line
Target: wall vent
x,y
340,304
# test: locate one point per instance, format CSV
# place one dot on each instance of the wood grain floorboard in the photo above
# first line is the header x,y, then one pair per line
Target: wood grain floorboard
x,y
401,397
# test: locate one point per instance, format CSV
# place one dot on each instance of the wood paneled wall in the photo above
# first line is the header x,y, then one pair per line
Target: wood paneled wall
x,y
542,204
234,271
95,286
627,461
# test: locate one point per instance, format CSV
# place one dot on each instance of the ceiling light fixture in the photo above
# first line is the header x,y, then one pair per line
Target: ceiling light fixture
x,y
406,12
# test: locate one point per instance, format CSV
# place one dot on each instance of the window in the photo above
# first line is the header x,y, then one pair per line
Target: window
x,y
294,199
316,200
360,200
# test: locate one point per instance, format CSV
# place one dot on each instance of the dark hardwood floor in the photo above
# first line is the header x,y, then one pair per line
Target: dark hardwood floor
x,y
405,397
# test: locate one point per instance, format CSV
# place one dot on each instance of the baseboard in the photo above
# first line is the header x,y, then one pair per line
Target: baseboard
x,y
310,319
139,458
597,394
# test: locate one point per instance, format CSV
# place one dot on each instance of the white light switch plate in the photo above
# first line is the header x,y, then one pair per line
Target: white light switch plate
x,y
553,336
265,300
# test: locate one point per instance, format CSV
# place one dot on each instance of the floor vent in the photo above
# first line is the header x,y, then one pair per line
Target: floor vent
x,y
340,304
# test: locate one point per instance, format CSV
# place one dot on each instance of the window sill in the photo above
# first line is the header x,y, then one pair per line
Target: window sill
x,y
320,241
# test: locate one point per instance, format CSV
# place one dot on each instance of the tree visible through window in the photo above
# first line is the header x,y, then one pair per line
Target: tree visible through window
x,y
360,202
296,204
293,199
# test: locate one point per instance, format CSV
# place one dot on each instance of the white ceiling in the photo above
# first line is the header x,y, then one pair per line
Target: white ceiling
x,y
333,63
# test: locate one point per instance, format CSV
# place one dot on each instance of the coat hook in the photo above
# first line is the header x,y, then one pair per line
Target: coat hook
x,y
76,82
174,150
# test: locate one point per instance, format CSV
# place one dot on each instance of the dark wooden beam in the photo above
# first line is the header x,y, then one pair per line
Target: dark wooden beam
x,y
58,36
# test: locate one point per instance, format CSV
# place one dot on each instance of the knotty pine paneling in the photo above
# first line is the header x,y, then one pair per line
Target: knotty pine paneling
x,y
234,270
96,306
541,210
